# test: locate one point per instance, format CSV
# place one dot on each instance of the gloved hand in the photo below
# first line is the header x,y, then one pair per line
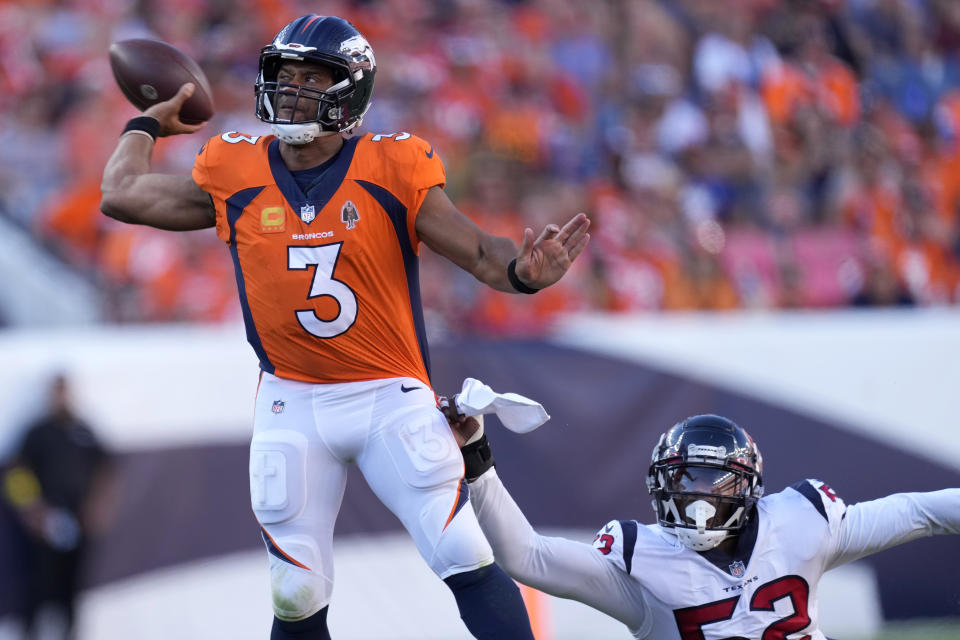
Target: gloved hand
x,y
473,442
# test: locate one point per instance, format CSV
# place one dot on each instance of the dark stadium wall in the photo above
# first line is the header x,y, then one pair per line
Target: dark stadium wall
x,y
583,468
11,556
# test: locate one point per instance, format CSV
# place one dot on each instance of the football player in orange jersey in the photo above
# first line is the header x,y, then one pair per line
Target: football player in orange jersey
x,y
324,231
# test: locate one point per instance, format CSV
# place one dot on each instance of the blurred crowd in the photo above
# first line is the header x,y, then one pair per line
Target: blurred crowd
x,y
731,153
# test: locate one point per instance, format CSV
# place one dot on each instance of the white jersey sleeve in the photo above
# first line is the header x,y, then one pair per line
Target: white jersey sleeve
x,y
876,525
826,501
616,542
592,574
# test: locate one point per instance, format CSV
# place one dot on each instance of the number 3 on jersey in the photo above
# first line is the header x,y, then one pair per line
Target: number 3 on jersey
x,y
324,259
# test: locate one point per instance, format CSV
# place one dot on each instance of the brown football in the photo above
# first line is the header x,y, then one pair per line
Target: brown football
x,y
151,71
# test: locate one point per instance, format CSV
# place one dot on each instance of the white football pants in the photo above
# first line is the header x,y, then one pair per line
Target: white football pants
x,y
303,438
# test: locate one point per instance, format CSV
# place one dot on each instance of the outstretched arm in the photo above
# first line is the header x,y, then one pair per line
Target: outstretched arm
x,y
541,260
558,566
869,527
130,193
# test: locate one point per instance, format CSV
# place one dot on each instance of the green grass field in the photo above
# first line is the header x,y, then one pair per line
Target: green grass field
x,y
933,630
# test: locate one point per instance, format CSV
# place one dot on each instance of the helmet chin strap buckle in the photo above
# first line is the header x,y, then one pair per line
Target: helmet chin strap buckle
x,y
700,511
299,134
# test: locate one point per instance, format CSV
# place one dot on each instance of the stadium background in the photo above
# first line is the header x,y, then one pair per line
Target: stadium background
x,y
748,165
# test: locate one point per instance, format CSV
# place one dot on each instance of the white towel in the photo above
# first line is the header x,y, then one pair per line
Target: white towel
x,y
517,413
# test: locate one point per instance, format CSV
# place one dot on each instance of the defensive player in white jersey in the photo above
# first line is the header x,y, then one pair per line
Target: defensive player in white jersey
x,y
724,561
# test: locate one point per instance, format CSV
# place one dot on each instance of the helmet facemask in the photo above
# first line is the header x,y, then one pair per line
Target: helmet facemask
x,y
703,503
324,106
705,478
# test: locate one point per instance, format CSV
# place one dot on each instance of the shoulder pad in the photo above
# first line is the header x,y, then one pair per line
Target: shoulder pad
x,y
616,540
229,142
237,140
401,147
824,500
402,163
229,162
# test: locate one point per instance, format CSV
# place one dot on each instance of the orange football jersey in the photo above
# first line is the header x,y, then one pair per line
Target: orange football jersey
x,y
329,285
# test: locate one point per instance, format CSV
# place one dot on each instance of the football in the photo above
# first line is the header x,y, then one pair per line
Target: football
x,y
151,71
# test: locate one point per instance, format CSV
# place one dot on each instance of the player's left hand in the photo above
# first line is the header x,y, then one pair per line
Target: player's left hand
x,y
543,261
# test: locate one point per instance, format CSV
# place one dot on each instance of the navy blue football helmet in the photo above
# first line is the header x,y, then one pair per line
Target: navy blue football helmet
x,y
329,41
705,476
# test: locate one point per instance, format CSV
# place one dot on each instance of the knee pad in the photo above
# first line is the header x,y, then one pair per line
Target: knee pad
x,y
300,582
278,475
462,545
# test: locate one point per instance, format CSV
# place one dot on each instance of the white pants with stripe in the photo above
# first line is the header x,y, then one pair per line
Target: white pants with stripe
x,y
304,437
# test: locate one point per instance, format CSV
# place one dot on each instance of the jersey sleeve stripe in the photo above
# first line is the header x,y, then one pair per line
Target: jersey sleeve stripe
x,y
324,189
235,206
397,212
807,491
629,528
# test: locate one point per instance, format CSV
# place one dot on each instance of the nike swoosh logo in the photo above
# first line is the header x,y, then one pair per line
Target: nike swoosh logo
x,y
406,389
429,153
608,528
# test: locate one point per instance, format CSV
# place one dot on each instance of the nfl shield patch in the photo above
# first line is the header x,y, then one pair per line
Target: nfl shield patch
x,y
278,408
737,569
307,213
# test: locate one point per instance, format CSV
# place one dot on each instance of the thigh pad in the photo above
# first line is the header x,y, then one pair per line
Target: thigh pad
x,y
278,475
422,447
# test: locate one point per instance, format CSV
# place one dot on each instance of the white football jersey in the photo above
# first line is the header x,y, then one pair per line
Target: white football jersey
x,y
643,576
767,589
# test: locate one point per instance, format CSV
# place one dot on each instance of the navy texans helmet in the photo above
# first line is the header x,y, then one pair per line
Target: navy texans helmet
x,y
329,41
705,478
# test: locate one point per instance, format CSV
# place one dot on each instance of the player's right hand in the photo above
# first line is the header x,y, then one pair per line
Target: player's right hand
x,y
168,113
